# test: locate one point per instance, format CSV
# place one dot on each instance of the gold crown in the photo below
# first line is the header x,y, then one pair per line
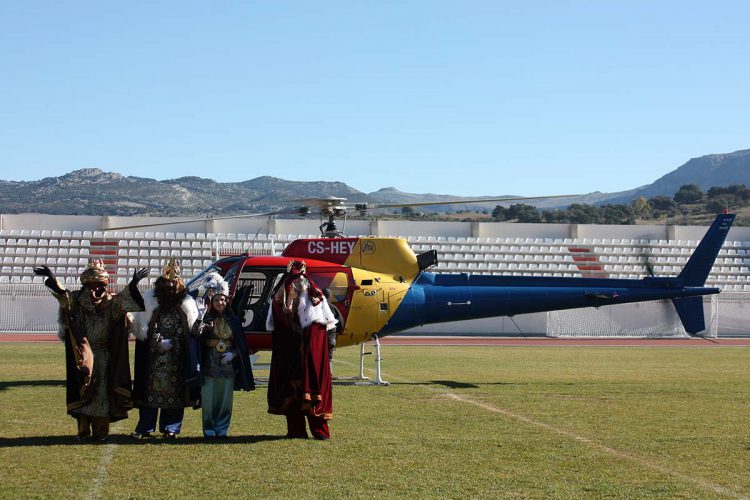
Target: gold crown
x,y
95,272
171,271
298,266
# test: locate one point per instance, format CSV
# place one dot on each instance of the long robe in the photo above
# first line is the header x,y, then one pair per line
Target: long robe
x,y
172,379
105,330
300,377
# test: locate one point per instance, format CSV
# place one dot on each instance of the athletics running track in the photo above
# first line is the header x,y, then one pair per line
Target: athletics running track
x,y
444,340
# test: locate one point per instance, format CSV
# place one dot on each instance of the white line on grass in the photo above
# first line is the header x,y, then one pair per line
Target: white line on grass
x,y
715,488
101,472
606,449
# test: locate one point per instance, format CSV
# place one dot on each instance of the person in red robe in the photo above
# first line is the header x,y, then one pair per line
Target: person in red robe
x,y
299,385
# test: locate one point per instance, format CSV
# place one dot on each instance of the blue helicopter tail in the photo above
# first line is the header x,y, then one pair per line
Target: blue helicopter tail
x,y
690,310
700,263
695,272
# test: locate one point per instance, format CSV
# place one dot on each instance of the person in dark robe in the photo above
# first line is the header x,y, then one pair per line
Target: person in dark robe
x,y
93,325
299,385
224,358
167,366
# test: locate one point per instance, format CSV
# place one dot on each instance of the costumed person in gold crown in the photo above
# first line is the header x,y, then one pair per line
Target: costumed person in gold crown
x,y
224,357
93,327
167,366
299,385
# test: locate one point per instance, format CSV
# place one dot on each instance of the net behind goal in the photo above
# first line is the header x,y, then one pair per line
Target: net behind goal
x,y
27,308
652,319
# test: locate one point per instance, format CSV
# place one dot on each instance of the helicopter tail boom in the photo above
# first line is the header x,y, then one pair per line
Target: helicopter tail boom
x,y
435,298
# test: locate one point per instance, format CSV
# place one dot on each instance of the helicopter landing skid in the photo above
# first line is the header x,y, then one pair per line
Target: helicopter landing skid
x,y
362,379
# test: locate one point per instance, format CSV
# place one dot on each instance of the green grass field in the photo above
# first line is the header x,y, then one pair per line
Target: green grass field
x,y
550,422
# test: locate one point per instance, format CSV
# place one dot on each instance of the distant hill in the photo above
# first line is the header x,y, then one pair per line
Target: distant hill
x,y
706,172
92,191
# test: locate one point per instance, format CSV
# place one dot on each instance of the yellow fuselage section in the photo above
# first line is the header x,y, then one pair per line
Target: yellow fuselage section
x,y
383,270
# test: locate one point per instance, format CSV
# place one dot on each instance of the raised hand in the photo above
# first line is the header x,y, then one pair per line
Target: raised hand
x,y
44,271
202,307
51,281
139,274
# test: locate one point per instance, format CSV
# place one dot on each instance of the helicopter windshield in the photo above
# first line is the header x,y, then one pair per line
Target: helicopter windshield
x,y
196,281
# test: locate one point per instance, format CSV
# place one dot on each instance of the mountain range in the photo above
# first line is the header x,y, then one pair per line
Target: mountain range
x,y
92,191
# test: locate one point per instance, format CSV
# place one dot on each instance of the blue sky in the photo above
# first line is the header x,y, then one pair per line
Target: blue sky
x,y
467,98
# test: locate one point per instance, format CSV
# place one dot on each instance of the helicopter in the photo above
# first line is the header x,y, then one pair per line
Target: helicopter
x,y
378,286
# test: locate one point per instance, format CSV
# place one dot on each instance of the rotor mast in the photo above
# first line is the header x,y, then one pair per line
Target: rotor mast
x,y
335,208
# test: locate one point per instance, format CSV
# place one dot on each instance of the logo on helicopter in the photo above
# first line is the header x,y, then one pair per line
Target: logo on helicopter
x,y
368,247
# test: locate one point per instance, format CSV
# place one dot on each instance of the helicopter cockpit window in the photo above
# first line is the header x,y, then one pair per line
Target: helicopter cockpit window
x,y
335,285
249,293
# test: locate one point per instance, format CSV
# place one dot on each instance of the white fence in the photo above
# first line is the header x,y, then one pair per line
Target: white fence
x,y
30,308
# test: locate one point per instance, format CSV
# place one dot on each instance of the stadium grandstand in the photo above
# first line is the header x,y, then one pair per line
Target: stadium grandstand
x,y
67,243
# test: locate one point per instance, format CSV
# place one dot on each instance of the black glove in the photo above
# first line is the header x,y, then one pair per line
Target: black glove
x,y
139,274
44,271
51,281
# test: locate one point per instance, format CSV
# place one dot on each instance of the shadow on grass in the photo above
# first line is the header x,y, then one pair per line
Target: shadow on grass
x,y
455,384
127,440
5,384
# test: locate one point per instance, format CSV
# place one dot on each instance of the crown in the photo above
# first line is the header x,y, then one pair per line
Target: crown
x,y
95,272
296,267
171,270
214,285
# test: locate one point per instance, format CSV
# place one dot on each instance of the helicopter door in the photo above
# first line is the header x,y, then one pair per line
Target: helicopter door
x,y
248,304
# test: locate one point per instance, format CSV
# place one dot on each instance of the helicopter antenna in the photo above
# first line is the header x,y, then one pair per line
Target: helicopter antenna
x,y
254,239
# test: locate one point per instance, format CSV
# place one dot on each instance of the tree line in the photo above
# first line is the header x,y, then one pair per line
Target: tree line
x,y
688,200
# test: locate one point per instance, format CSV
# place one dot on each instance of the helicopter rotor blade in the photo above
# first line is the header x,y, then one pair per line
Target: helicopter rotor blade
x,y
458,202
373,206
329,200
333,206
287,211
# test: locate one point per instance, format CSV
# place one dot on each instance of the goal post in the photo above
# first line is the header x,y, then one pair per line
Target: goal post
x,y
651,319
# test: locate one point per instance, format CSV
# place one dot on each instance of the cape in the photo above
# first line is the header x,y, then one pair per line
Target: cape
x,y
119,389
308,313
243,369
